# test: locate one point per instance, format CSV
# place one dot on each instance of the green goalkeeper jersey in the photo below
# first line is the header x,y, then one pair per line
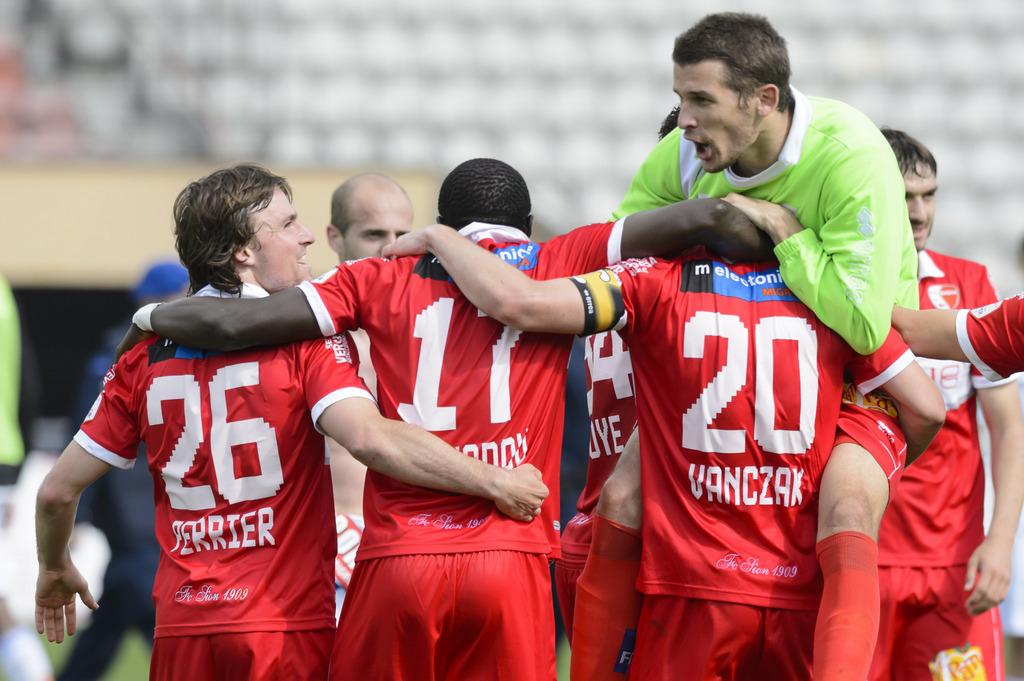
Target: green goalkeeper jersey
x,y
836,171
12,450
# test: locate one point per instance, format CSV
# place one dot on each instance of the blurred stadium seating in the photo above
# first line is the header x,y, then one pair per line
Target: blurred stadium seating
x,y
570,92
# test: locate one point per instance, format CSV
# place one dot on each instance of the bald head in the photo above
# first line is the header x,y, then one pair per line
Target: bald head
x,y
368,212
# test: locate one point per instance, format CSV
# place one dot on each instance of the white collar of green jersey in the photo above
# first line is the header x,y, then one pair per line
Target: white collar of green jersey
x,y
926,267
790,153
247,291
477,231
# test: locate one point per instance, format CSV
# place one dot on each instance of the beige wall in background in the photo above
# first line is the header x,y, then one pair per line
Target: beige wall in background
x,y
100,225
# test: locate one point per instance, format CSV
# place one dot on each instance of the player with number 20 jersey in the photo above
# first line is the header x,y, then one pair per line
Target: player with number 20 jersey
x,y
744,351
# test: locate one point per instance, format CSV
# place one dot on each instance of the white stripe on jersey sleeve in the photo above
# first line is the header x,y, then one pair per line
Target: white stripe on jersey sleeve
x,y
323,317
965,344
332,398
901,363
615,243
101,452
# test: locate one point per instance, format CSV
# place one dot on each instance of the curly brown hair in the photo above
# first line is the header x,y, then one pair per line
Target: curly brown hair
x,y
211,221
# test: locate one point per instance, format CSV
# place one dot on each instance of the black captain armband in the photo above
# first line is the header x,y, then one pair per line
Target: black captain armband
x,y
603,308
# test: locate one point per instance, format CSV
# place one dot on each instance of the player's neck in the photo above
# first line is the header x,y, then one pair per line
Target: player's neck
x,y
767,148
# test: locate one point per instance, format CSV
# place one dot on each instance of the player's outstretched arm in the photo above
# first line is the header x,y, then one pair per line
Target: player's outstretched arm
x,y
414,456
59,580
929,333
922,409
988,569
670,230
498,289
232,324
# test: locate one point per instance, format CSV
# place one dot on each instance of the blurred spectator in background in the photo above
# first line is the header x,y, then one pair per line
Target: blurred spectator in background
x,y
22,657
368,212
121,506
35,122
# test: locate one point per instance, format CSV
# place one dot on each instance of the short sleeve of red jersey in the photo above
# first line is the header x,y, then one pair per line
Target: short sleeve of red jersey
x,y
586,248
641,280
874,370
985,295
333,296
992,337
110,431
331,374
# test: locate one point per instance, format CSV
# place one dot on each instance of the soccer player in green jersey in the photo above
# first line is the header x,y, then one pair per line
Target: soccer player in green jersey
x,y
745,133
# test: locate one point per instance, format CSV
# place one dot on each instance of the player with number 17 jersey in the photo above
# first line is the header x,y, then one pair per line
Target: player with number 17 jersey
x,y
488,390
243,493
747,352
492,392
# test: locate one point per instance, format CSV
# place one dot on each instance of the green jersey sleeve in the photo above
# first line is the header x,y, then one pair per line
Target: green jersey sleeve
x,y
657,182
11,447
862,259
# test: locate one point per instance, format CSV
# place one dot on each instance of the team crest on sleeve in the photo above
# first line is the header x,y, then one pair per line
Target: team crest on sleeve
x,y
958,664
944,296
94,408
339,346
984,310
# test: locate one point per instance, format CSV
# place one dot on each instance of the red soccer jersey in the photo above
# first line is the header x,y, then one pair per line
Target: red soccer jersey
x,y
491,391
937,515
244,514
738,394
992,337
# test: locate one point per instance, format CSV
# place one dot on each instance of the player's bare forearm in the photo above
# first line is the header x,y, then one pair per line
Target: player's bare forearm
x,y
709,222
929,333
232,324
414,456
57,501
503,292
1001,408
922,409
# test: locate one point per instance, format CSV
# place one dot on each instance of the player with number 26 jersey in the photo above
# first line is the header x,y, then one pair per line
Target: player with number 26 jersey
x,y
242,489
753,387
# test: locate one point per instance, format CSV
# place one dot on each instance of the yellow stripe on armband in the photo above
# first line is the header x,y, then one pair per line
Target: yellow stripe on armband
x,y
602,300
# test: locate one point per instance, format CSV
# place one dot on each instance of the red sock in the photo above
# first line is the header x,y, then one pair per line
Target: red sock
x,y
847,625
607,604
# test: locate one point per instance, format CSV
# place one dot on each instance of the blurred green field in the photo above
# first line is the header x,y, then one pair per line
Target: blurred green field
x,y
130,664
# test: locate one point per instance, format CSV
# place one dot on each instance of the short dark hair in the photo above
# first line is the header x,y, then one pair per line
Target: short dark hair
x,y
670,123
753,52
484,190
211,222
911,155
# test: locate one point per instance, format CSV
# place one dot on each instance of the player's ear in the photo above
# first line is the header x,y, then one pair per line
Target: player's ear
x,y
334,238
245,256
767,99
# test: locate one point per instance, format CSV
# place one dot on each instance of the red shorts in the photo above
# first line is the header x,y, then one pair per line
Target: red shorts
x,y
879,434
258,655
568,568
924,621
439,617
720,641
